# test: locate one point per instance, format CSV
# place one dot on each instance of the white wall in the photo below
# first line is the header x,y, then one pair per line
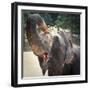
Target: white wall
x,y
5,45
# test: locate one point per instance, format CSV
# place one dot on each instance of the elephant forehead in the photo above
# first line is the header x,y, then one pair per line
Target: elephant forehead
x,y
50,39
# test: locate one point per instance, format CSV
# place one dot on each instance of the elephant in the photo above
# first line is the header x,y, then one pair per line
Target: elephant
x,y
56,53
64,59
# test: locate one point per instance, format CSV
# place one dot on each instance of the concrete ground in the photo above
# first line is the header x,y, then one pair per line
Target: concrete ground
x,y
31,66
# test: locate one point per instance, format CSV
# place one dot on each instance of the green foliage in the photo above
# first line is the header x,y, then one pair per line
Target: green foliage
x,y
69,21
63,20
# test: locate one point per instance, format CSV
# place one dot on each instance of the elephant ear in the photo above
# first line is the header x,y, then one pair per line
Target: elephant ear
x,y
67,37
68,44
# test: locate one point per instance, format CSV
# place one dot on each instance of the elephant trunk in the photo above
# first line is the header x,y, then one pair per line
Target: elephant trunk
x,y
33,36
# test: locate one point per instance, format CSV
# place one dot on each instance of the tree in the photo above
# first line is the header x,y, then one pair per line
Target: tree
x,y
69,21
60,20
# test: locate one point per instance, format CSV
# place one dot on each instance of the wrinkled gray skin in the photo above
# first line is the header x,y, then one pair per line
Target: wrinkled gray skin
x,y
71,56
63,56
